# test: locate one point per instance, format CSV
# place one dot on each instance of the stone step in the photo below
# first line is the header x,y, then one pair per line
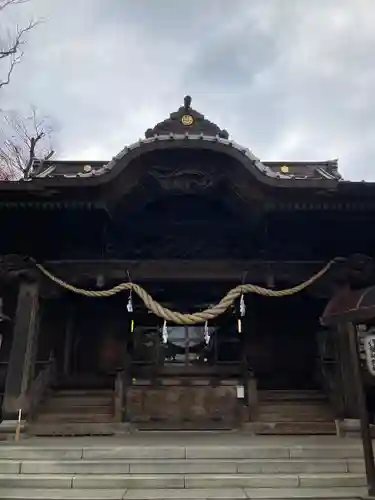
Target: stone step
x,y
56,451
200,481
181,466
183,494
63,494
291,428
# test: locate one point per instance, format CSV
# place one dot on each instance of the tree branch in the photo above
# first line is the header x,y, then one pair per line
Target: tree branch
x,y
13,48
6,3
15,45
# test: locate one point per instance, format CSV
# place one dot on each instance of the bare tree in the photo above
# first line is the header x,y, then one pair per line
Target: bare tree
x,y
6,173
23,142
11,44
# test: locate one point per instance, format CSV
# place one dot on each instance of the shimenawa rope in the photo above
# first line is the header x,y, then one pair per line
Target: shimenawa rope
x,y
181,318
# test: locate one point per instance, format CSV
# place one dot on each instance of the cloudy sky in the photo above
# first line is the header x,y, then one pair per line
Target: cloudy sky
x,y
290,79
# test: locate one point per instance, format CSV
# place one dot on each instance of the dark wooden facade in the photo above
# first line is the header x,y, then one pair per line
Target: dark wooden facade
x,y
188,214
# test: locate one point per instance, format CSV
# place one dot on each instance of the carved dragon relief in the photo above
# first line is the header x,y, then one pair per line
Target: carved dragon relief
x,y
188,179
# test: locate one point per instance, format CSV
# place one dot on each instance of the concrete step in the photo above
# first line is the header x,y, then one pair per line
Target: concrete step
x,y
181,494
181,466
200,481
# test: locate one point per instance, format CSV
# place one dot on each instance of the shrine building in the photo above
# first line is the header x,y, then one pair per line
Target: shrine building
x,y
187,214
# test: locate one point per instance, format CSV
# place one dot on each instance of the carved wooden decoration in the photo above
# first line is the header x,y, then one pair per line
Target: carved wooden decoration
x,y
185,178
369,346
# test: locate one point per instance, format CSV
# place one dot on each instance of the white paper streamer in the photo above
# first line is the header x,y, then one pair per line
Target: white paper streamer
x,y
165,332
206,333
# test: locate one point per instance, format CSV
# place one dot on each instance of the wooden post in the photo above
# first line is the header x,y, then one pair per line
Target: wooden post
x,y
252,398
362,407
23,351
349,390
68,342
119,396
18,428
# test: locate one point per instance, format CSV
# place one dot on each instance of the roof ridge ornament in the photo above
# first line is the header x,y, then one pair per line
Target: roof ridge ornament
x,y
186,121
187,102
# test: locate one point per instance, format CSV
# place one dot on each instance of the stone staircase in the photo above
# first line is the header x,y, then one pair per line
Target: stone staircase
x,y
161,466
75,412
294,412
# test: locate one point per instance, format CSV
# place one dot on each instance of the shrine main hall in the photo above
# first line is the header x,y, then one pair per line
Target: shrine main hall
x,y
181,286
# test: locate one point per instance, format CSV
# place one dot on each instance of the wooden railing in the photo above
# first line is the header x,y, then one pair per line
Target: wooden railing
x,y
38,387
119,396
328,371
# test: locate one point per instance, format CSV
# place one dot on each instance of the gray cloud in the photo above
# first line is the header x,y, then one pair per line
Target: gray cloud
x,y
292,80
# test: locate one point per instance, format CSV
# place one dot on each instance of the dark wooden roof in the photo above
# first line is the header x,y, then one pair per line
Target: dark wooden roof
x,y
96,173
188,130
187,123
297,170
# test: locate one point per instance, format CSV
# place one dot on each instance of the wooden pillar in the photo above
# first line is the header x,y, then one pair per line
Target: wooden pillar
x,y
68,342
349,395
23,351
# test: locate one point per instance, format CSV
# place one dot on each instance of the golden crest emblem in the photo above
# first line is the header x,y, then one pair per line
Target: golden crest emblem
x,y
187,120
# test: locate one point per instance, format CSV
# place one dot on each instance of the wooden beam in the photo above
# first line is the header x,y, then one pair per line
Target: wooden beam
x,y
251,271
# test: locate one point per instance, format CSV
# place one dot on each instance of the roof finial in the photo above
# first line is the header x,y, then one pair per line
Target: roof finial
x,y
187,102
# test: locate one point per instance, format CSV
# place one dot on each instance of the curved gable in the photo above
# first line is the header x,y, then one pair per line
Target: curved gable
x,y
185,129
